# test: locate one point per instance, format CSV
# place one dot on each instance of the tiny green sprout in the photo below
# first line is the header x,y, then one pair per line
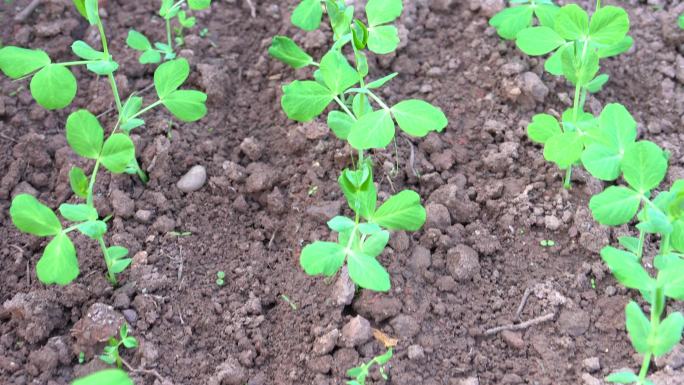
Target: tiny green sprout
x,y
180,234
220,275
313,189
81,357
169,10
105,377
593,283
204,32
547,243
54,86
365,121
360,373
111,351
289,301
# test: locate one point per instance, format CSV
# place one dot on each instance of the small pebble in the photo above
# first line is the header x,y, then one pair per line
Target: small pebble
x,y
193,180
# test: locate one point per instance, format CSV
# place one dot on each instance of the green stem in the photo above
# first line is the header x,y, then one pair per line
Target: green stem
x,y
103,37
168,33
151,106
567,181
644,367
640,246
108,262
115,91
378,100
76,63
344,107
91,184
665,244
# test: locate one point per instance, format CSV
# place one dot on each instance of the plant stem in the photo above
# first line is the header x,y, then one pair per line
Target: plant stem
x,y
151,106
640,247
168,33
665,244
91,185
76,63
115,91
644,367
103,37
567,181
108,262
378,100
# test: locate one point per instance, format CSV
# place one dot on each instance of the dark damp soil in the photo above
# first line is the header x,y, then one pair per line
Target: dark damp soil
x,y
271,186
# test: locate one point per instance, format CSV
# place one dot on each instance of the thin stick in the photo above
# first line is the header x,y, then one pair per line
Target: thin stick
x,y
26,12
8,138
525,296
520,326
252,9
143,371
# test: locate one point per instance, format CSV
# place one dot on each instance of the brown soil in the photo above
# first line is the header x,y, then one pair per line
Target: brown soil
x,y
491,197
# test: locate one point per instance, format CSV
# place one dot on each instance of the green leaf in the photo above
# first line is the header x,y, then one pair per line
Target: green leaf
x,y
655,222
677,236
602,162
630,243
78,181
417,117
337,73
16,62
553,64
185,21
402,211
186,105
572,22
359,35
324,258
361,105
359,190
373,130
510,21
627,269
92,229
609,25
383,39
638,327
672,278
542,128
120,265
375,244
361,63
105,377
103,67
130,343
138,41
340,18
369,228
546,13
131,107
618,126
53,87
669,334
150,57
381,82
597,84
117,152
644,166
33,217
382,11
615,206
623,378
536,41
307,15
84,134
367,272
340,123
680,21
85,51
170,75
58,263
613,50
304,100
78,212
198,5
92,11
340,224
616,131
80,7
286,50
564,150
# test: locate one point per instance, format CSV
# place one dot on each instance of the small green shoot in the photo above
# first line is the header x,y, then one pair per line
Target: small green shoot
x,y
547,243
111,351
180,234
204,32
365,122
220,276
81,358
53,86
169,11
360,373
313,189
289,301
105,377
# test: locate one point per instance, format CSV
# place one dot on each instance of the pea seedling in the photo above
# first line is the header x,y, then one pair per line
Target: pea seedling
x,y
577,43
107,376
360,373
220,276
361,239
168,11
53,86
111,351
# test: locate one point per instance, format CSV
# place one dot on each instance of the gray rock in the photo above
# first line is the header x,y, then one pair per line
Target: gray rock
x,y
463,263
405,326
573,322
592,364
552,223
252,148
377,306
416,353
326,343
469,381
438,216
356,332
532,85
193,180
588,379
130,315
122,204
344,289
513,339
442,5
143,216
420,258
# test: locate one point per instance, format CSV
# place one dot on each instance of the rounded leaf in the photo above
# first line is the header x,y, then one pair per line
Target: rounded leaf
x,y
402,211
84,134
307,15
367,272
198,5
644,165
564,150
105,377
373,130
510,21
337,73
118,151
33,217
53,87
304,100
572,22
383,39
615,206
286,50
138,41
638,327
186,105
170,75
58,264
543,127
418,117
536,41
383,11
609,25
16,62
324,258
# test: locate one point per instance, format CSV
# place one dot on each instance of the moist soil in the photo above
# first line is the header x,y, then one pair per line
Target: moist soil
x,y
271,185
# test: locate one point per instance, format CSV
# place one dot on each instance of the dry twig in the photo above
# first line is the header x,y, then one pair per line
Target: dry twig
x,y
26,12
520,326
